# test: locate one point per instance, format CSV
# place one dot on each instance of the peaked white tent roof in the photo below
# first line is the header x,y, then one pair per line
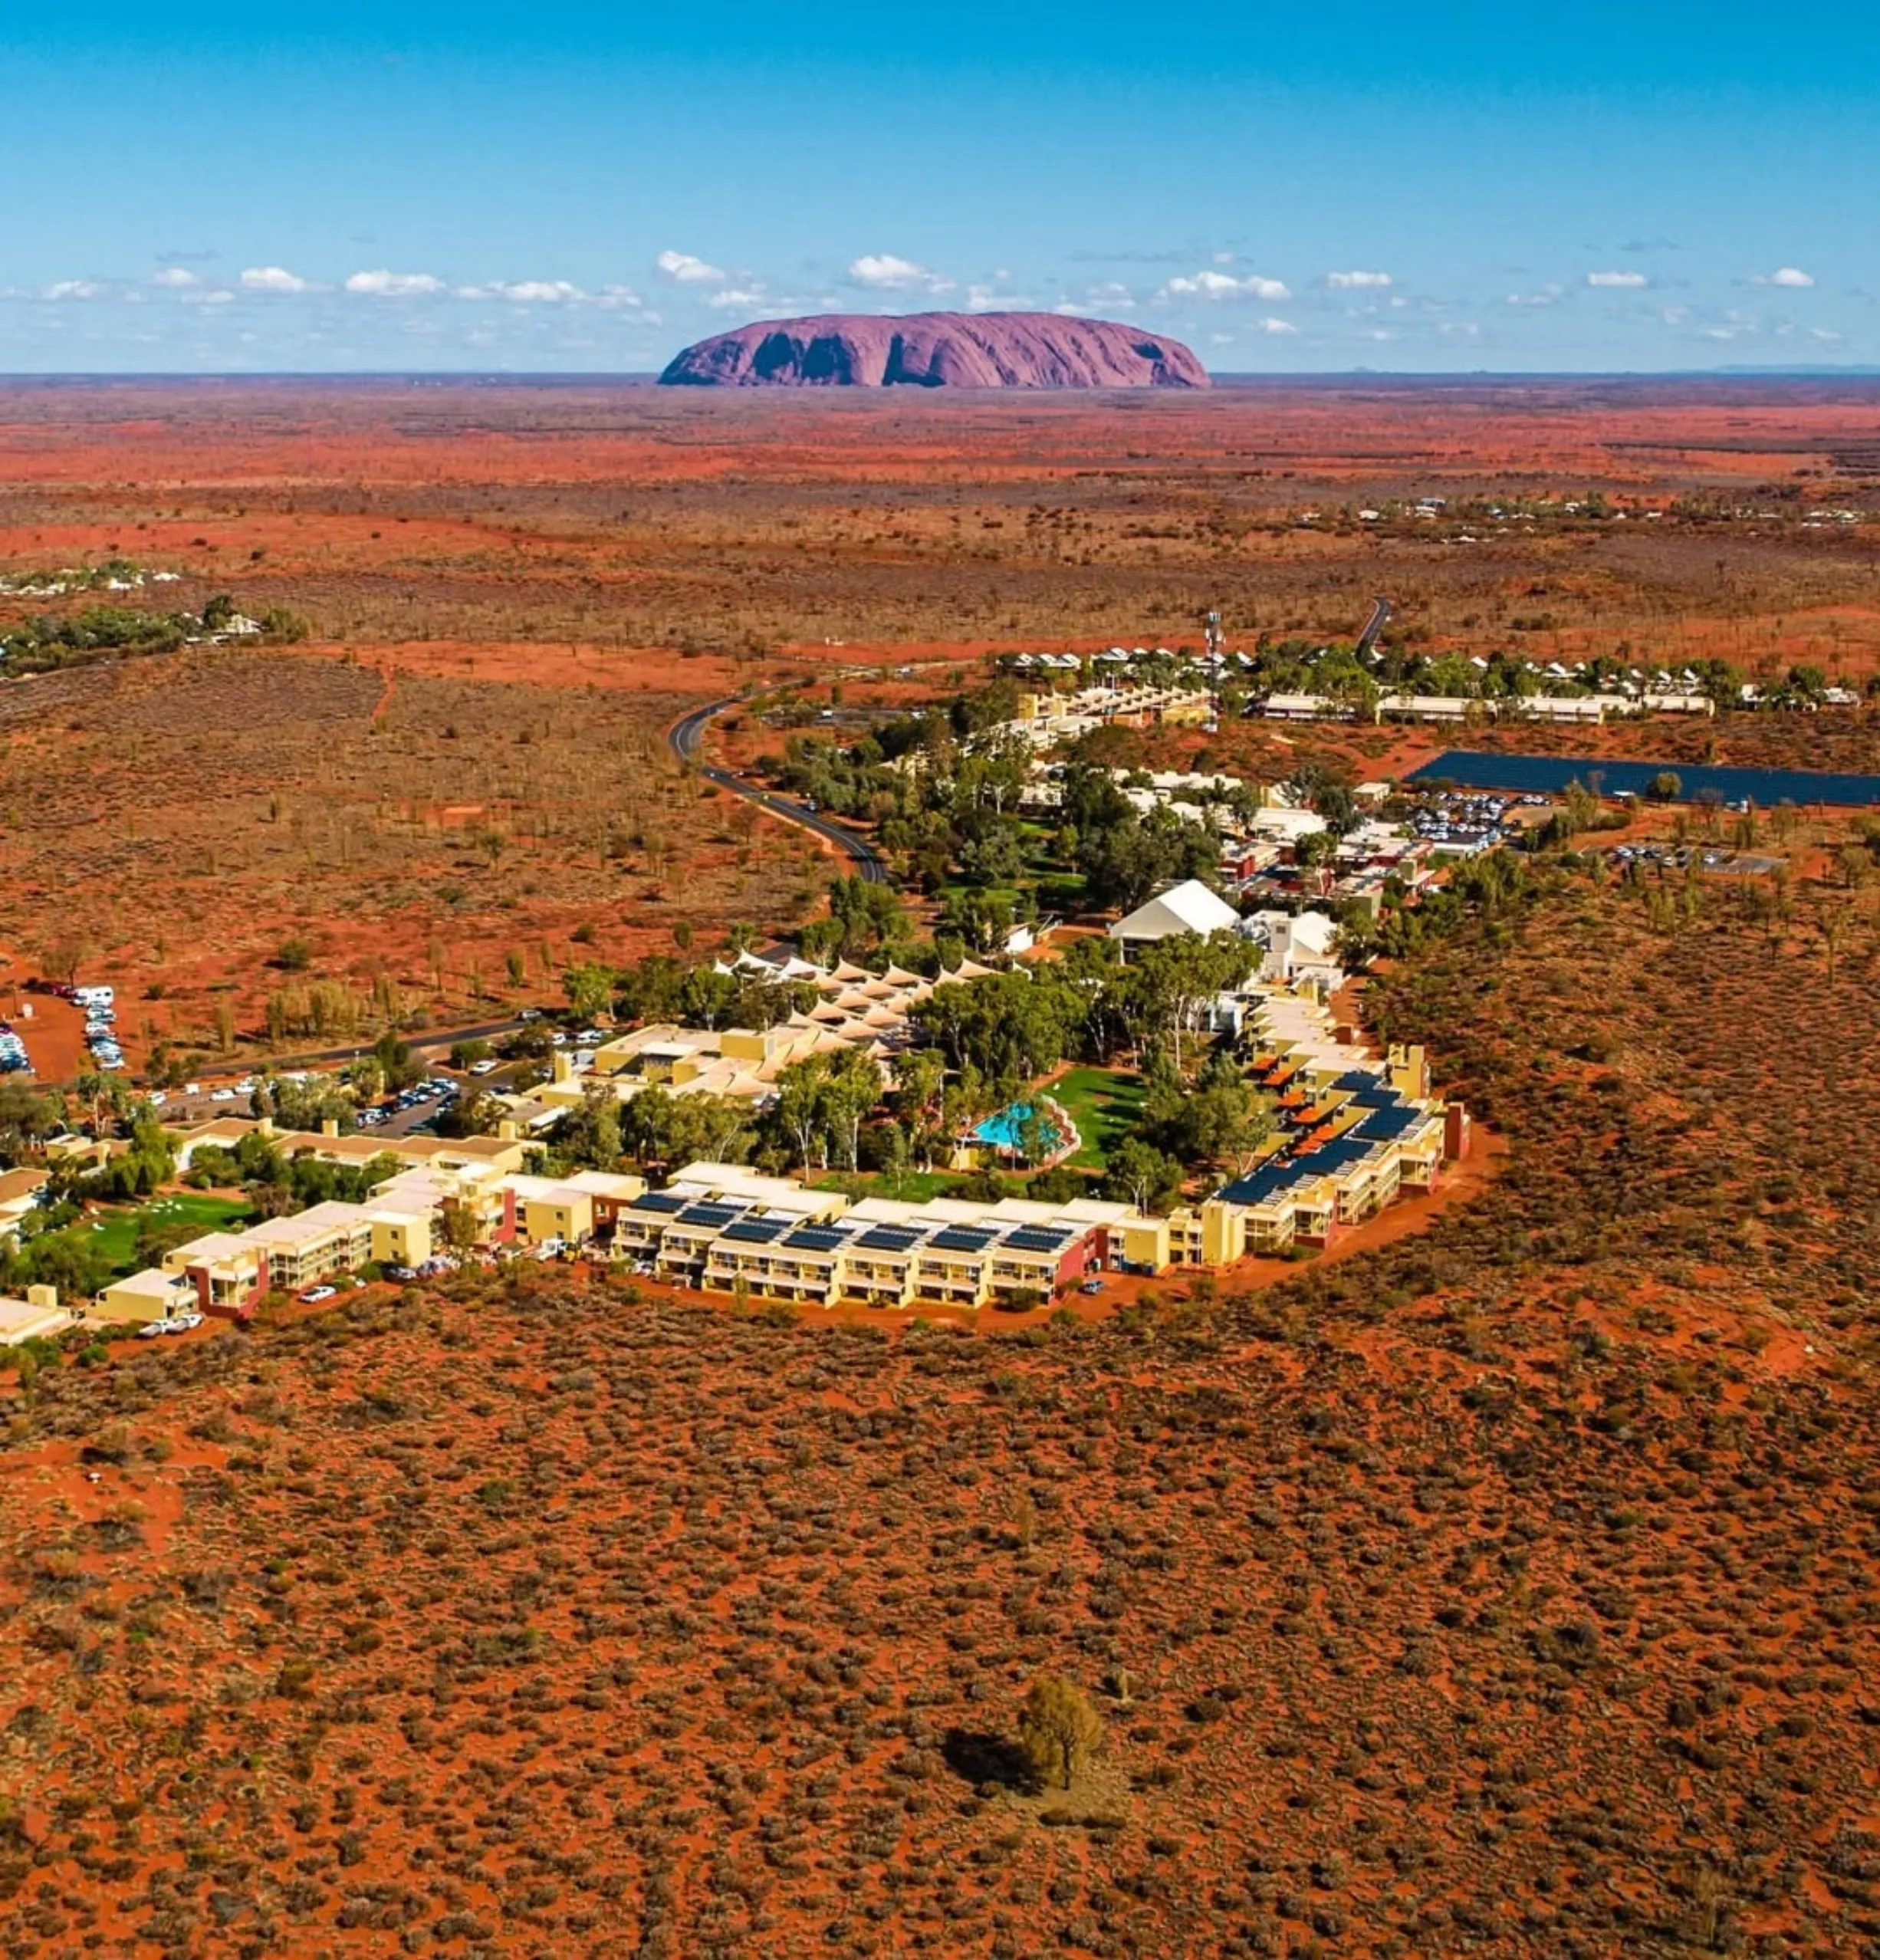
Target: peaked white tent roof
x,y
1192,907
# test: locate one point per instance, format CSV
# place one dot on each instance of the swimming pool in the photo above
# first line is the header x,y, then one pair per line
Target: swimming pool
x,y
1549,775
1006,1129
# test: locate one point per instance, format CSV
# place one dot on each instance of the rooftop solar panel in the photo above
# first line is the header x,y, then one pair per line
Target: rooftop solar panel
x,y
963,1240
1038,1242
659,1201
1385,1126
753,1231
815,1238
887,1238
716,1216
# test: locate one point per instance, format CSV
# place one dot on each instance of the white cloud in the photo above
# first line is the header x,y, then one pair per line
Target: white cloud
x,y
1224,286
272,279
738,298
687,270
884,272
175,277
550,292
1823,333
394,285
1787,275
1358,282
1271,325
1626,279
989,298
1116,297
1547,296
622,299
75,289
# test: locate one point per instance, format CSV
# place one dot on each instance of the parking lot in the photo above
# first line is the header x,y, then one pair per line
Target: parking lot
x,y
1716,860
1465,822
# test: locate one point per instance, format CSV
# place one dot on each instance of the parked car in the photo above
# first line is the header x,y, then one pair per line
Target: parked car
x,y
1091,1285
314,1294
484,1067
181,1323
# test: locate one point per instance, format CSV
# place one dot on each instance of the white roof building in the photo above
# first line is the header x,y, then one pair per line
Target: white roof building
x,y
1192,907
1299,946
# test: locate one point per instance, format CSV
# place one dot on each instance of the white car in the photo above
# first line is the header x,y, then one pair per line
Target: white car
x,y
314,1294
221,1096
181,1323
484,1067
151,1330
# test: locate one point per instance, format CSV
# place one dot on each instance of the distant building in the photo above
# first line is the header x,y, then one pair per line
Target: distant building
x,y
1192,907
20,1191
39,1317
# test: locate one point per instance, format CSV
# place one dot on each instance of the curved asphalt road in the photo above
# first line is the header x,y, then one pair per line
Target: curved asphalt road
x,y
1379,613
684,737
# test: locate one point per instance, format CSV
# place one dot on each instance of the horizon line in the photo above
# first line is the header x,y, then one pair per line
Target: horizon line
x,y
1805,371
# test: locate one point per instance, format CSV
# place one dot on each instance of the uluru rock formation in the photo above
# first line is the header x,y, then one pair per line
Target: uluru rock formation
x,y
937,351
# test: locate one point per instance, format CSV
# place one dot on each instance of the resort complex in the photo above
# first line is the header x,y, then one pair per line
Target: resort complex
x,y
1351,1133
855,1012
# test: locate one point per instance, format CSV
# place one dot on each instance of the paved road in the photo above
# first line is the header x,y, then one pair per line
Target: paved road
x,y
684,738
1380,612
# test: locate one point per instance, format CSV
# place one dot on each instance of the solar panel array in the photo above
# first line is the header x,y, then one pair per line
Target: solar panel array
x,y
659,1201
890,1238
1032,1240
714,1216
815,1238
1386,1126
754,1231
960,1238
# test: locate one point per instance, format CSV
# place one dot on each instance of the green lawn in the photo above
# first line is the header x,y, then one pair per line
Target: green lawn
x,y
115,1234
1104,1105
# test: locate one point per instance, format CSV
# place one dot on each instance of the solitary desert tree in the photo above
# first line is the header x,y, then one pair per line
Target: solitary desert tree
x,y
1058,1730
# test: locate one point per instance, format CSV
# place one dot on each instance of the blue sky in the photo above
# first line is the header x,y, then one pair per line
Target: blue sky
x,y
204,187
